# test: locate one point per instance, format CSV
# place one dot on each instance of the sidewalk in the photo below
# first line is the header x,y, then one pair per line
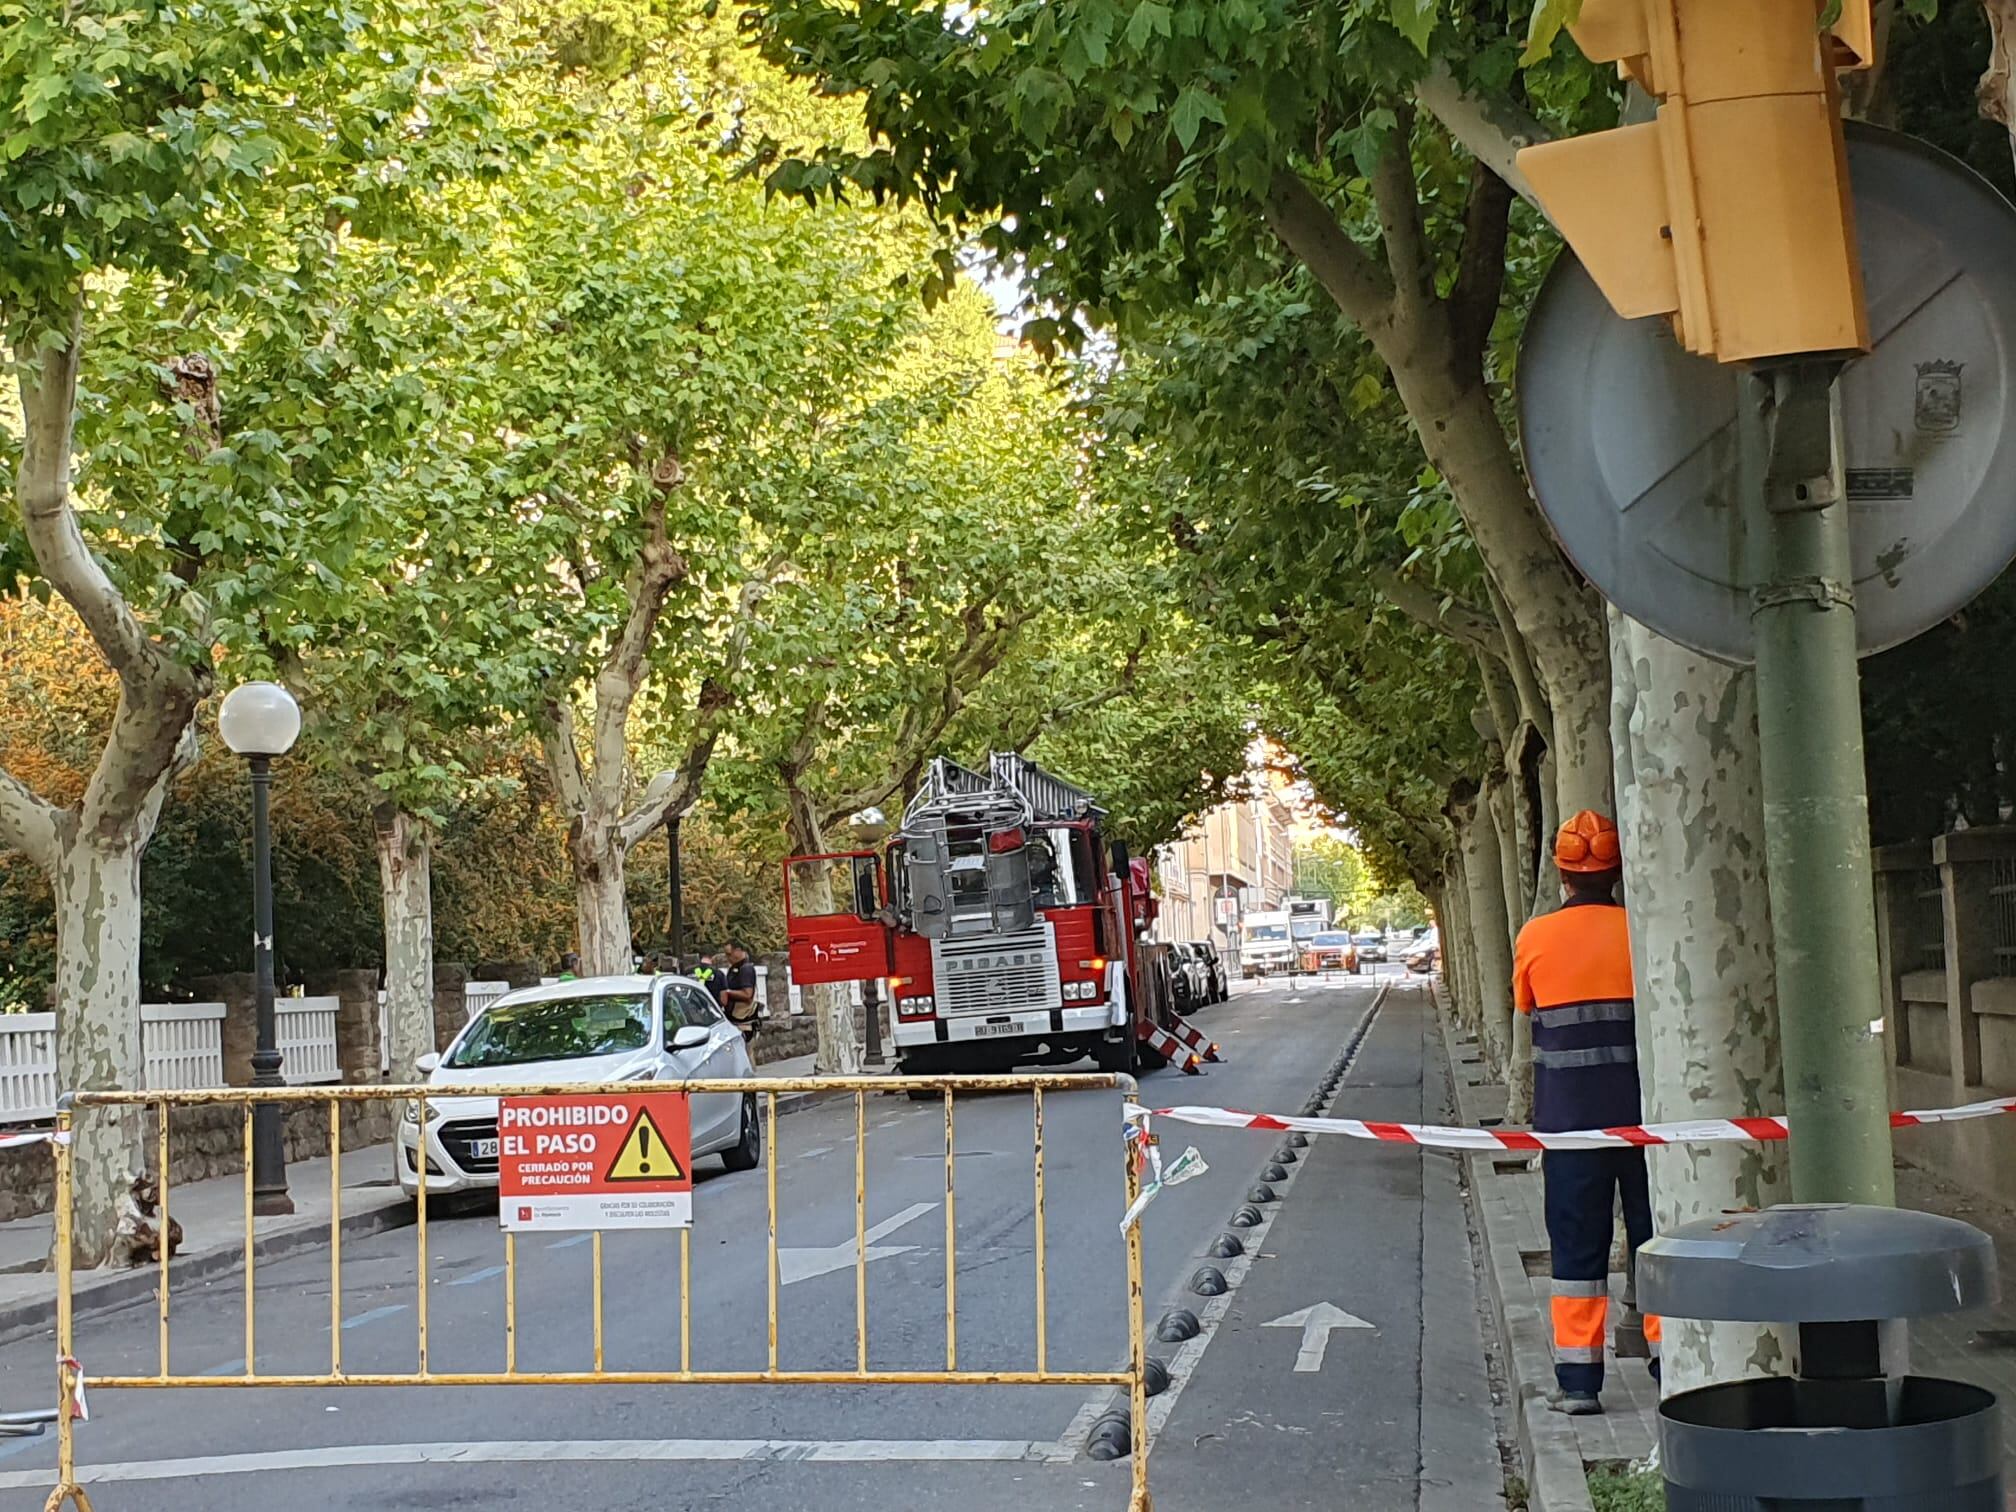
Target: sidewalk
x,y
1558,1452
212,1215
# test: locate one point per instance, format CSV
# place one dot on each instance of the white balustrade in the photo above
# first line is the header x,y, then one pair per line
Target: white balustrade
x,y
182,1046
27,1067
306,1030
182,1049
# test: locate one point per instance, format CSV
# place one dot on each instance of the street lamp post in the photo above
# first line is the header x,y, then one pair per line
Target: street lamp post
x,y
259,720
675,886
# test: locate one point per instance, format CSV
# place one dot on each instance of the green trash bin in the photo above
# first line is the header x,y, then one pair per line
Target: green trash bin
x,y
1851,1430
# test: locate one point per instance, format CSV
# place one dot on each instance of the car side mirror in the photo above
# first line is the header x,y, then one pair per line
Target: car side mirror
x,y
428,1064
689,1036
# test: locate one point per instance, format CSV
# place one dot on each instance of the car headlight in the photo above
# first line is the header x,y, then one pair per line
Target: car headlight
x,y
411,1113
642,1073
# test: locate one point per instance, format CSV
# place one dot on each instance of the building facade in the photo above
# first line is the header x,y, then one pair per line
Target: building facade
x,y
1239,857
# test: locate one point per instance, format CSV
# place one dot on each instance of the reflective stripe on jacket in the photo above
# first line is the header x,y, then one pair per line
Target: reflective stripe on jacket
x,y
1572,973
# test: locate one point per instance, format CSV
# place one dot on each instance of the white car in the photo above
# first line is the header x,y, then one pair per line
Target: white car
x,y
597,1029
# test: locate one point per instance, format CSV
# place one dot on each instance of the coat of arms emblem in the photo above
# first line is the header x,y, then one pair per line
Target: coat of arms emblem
x,y
1937,407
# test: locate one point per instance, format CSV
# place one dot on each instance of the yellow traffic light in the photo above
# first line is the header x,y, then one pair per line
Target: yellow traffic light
x,y
1730,212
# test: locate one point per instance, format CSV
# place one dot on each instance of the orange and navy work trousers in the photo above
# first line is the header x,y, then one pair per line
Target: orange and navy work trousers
x,y
1582,1190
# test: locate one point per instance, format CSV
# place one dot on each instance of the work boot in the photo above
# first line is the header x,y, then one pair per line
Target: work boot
x,y
1575,1404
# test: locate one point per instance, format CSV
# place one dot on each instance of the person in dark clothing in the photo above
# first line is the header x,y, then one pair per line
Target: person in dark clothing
x,y
737,991
708,975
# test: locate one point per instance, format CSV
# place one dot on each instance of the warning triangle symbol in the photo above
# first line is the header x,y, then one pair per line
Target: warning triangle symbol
x,y
644,1155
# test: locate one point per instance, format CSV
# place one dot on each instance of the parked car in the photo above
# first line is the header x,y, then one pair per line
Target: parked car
x,y
1371,946
596,1029
1331,950
1214,966
1427,953
1191,977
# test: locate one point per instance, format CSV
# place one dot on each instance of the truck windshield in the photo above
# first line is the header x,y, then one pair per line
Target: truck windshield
x,y
1266,931
1308,929
1053,872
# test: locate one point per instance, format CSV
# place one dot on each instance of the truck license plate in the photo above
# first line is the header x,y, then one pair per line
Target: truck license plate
x,y
984,1031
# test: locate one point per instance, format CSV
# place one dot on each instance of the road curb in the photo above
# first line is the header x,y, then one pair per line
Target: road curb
x,y
102,1292
98,1292
1556,1479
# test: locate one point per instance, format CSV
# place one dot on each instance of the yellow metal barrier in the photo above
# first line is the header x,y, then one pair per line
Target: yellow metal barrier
x,y
1132,1378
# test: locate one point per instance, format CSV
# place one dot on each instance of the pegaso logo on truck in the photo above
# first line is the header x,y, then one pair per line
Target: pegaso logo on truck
x,y
976,965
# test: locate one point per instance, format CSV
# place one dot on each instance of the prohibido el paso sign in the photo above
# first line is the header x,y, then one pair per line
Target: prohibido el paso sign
x,y
595,1160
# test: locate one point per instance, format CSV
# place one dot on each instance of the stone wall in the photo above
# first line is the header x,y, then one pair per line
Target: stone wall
x,y
208,1142
451,1006
203,1143
1946,935
27,1177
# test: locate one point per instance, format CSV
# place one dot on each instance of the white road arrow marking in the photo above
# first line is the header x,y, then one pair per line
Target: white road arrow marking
x,y
803,1264
1316,1323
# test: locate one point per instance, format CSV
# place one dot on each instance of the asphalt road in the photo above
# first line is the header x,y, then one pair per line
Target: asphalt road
x,y
1242,1423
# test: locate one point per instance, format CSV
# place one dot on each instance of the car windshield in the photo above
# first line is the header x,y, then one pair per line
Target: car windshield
x,y
1306,929
1333,939
1266,931
1371,938
554,1029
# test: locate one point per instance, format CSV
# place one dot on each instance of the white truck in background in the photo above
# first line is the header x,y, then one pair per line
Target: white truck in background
x,y
1307,918
1266,942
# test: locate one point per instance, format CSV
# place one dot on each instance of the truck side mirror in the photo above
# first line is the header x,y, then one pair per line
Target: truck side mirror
x,y
867,897
1120,857
1010,896
929,914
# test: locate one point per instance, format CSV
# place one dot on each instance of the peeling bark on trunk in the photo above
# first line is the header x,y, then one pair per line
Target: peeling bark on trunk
x,y
406,892
1432,348
1458,959
1692,821
600,833
601,906
1557,618
91,851
839,1050
1998,83
1491,946
1519,1052
98,1027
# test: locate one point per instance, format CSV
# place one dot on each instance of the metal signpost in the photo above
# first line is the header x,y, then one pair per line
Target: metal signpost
x,y
1689,442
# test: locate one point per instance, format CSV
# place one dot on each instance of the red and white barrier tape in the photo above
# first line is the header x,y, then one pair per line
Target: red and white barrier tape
x,y
1445,1137
40,1136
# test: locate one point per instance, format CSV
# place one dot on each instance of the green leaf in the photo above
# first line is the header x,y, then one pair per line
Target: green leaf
x,y
1416,20
1545,24
1193,107
1150,19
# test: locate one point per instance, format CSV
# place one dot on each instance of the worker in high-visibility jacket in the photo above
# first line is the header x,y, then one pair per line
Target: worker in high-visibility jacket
x,y
1572,973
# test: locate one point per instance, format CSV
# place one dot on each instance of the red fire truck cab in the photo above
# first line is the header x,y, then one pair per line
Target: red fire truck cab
x,y
1006,929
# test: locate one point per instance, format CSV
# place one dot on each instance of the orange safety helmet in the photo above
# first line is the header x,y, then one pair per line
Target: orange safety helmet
x,y
1588,843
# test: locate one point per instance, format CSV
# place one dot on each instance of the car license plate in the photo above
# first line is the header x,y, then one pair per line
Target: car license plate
x,y
984,1031
483,1149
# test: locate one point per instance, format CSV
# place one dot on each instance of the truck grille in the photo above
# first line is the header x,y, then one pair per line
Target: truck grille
x,y
997,973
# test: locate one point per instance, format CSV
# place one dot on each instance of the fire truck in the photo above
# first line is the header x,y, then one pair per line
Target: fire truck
x,y
1005,928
